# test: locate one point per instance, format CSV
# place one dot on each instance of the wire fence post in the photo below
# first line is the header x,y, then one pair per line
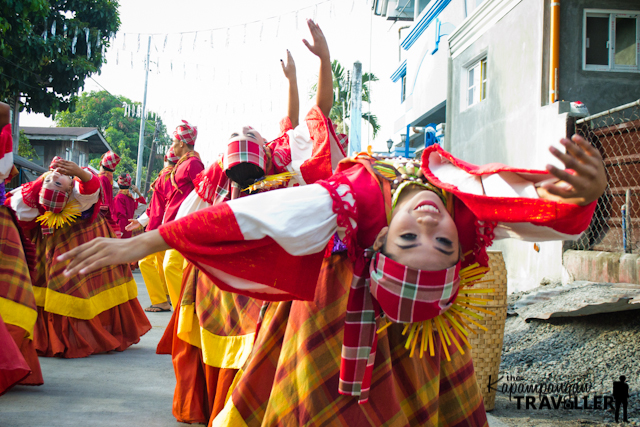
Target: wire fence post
x,y
616,134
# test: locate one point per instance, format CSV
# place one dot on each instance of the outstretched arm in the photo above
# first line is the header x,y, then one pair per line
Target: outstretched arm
x,y
589,181
103,251
293,108
324,96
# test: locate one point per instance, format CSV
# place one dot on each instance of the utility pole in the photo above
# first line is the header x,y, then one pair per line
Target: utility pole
x,y
15,123
142,119
355,133
151,157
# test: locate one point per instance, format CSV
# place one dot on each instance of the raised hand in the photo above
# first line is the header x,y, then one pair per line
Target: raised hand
x,y
289,67
587,183
67,167
320,48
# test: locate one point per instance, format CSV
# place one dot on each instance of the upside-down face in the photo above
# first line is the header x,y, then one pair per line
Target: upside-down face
x,y
422,234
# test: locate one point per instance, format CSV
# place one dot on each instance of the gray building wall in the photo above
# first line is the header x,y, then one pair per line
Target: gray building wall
x,y
598,90
515,123
511,125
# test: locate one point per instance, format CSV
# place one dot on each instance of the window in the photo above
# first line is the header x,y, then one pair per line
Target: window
x,y
476,82
611,40
403,95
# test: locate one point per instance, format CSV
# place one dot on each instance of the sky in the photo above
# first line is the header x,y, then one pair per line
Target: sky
x,y
217,65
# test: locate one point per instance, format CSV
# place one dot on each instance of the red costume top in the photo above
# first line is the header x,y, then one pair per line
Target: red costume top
x,y
182,177
106,199
125,206
162,189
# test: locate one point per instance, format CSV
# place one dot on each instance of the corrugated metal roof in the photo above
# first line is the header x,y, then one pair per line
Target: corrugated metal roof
x,y
97,143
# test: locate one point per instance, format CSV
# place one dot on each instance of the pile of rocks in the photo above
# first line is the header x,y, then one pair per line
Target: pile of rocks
x,y
592,351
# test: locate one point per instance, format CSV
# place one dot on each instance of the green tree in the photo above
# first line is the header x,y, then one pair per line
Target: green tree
x,y
48,49
107,113
341,109
25,149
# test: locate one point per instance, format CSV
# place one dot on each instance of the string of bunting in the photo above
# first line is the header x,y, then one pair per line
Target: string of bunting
x,y
224,37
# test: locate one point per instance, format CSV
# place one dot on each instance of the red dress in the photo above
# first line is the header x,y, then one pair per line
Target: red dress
x,y
124,207
182,178
18,359
83,314
106,200
161,192
227,320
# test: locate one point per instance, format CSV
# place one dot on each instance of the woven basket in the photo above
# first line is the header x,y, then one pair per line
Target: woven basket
x,y
487,346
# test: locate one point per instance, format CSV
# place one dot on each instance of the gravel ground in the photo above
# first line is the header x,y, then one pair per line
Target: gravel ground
x,y
590,351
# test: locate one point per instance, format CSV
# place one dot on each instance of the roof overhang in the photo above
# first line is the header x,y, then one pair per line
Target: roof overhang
x,y
97,143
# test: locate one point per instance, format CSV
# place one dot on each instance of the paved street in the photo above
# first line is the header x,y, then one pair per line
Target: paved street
x,y
131,388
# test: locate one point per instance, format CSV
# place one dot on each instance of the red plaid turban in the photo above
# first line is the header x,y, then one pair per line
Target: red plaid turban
x,y
53,200
403,294
186,133
245,151
124,180
171,156
110,160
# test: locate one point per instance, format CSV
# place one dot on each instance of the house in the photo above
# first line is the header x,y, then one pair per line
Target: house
x,y
70,143
515,67
421,75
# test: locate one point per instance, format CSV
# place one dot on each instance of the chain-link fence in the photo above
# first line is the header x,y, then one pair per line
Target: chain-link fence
x,y
616,223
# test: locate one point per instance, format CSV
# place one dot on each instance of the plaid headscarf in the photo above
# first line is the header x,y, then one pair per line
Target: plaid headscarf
x,y
171,156
403,294
110,160
124,180
245,151
186,133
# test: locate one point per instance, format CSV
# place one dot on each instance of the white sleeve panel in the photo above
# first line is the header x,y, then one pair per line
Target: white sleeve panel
x,y
530,232
191,204
300,219
447,172
23,212
85,200
6,164
143,219
508,184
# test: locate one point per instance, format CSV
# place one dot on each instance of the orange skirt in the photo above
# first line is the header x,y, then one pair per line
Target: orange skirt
x,y
68,337
201,390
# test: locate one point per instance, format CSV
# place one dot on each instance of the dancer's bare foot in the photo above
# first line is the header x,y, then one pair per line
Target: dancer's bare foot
x,y
158,308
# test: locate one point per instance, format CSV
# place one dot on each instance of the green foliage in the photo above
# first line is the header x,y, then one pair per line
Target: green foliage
x,y
25,149
104,111
47,72
341,109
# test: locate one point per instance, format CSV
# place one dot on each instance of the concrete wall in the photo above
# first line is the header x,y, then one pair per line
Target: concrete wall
x,y
510,126
427,74
599,90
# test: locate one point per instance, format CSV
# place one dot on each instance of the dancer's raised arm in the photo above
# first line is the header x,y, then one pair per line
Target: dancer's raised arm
x,y
293,105
320,48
